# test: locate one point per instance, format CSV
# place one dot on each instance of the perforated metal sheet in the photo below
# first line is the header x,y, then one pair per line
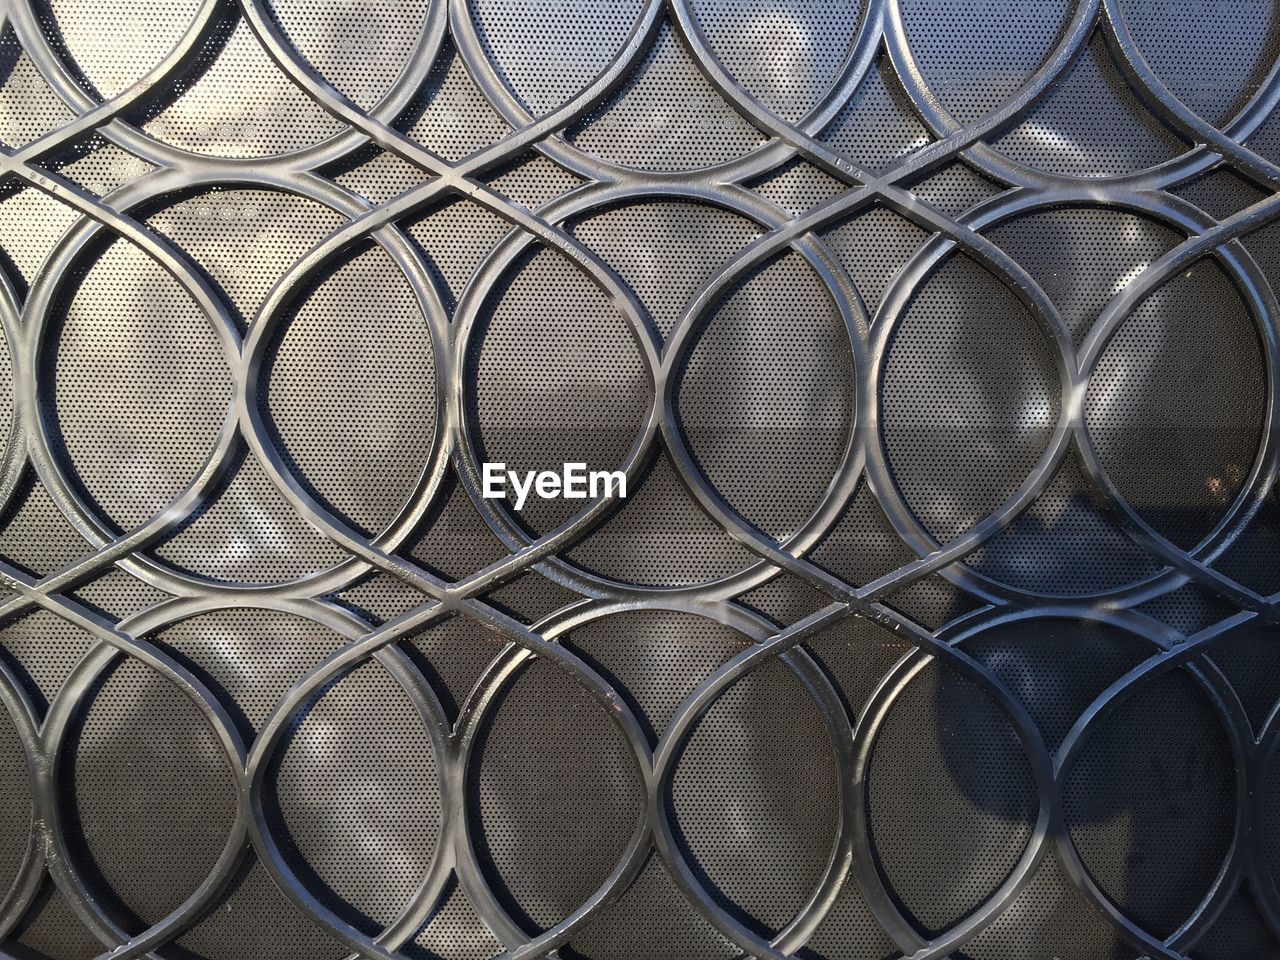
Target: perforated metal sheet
x,y
937,339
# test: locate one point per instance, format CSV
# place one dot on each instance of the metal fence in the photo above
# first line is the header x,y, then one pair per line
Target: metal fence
x,y
936,340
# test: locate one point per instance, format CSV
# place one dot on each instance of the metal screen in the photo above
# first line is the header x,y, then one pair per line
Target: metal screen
x,y
936,340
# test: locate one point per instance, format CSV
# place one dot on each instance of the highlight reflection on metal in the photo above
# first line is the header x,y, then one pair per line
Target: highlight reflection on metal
x,y
936,339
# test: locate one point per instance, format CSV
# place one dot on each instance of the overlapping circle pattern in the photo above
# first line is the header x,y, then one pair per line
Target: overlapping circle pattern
x,y
780,375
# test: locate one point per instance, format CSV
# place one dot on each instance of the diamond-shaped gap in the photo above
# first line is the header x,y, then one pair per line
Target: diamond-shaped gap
x,y
1220,193
247,532
1064,543
955,188
785,599
666,250
43,648
357,795
1057,667
359,49
546,51
456,235
1150,799
245,240
758,833
873,246
849,930
1214,58
947,773
456,931
531,597
532,180
450,116
29,108
31,223
1091,124
785,55
973,56
968,405
651,919
555,376
377,175
352,407
268,114
453,655
254,910
666,117
381,597
99,165
83,34
862,546
1106,248
661,536
655,658
119,594
454,541
249,656
771,456
856,655
555,787
1049,917
878,124
34,534
132,415
797,186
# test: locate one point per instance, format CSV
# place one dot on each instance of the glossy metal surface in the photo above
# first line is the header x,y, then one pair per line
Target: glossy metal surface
x,y
1180,539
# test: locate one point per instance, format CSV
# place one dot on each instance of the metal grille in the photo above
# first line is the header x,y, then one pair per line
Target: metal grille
x,y
937,340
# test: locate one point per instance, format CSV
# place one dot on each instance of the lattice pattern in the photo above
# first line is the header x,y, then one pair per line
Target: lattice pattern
x,y
937,339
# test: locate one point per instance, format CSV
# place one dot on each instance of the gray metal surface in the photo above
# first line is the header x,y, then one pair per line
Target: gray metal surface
x,y
936,338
